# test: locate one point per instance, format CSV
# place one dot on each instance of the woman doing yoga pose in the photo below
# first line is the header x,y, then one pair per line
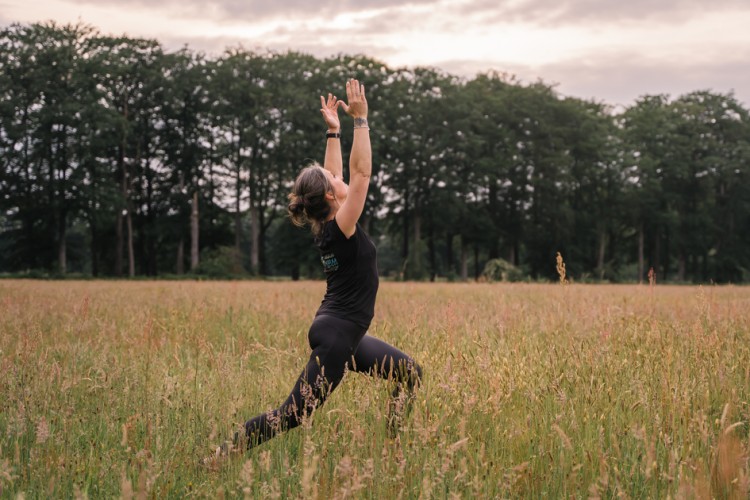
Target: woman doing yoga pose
x,y
338,335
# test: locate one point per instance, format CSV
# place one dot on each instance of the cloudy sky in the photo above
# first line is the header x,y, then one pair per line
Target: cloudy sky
x,y
609,50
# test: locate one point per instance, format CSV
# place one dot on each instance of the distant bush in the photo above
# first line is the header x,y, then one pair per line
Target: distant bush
x,y
221,262
502,270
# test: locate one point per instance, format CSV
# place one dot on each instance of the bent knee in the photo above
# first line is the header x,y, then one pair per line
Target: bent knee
x,y
410,372
418,371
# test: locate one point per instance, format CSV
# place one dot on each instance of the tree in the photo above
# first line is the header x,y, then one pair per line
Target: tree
x,y
44,93
188,144
648,133
414,153
708,183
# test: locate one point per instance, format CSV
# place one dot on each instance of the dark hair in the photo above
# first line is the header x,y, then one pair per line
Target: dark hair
x,y
307,201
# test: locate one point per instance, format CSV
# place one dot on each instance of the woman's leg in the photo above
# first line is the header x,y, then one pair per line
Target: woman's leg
x,y
379,359
333,341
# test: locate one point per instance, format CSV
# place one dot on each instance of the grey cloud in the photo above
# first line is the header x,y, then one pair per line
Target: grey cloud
x,y
618,78
311,39
552,12
621,80
308,43
254,10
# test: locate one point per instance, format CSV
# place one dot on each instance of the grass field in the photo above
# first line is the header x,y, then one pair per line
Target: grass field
x,y
118,388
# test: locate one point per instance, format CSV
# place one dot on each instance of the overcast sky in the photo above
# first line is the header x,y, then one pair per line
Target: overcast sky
x,y
609,50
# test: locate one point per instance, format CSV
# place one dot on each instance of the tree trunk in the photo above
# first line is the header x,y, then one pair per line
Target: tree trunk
x,y
180,267
237,228
641,263
665,255
62,260
405,243
238,191
464,260
62,208
601,253
131,255
124,190
494,248
151,231
656,253
180,263
93,246
119,218
254,240
129,219
431,251
476,261
147,230
237,212
118,244
416,247
194,249
262,227
449,252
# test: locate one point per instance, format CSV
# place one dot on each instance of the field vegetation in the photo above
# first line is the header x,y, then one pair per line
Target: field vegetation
x,y
119,388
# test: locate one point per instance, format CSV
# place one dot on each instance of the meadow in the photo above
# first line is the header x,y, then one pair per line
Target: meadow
x,y
118,389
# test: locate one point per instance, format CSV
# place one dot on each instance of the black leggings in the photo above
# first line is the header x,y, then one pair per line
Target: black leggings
x,y
337,345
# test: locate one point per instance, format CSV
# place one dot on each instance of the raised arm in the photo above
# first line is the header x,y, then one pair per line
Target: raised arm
x,y
332,162
360,160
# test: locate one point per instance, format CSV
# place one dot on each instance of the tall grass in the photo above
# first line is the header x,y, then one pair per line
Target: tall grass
x,y
118,388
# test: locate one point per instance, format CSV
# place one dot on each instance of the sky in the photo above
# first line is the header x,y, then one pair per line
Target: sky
x,y
612,51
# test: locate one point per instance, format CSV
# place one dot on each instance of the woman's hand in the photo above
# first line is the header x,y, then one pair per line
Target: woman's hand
x,y
330,111
357,106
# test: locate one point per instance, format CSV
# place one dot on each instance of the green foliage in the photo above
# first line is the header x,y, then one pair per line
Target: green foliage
x,y
221,262
107,143
503,271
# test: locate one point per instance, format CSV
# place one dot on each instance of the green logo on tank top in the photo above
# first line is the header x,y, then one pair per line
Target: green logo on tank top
x,y
330,263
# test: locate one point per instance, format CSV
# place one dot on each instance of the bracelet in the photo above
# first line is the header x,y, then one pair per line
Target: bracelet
x,y
333,135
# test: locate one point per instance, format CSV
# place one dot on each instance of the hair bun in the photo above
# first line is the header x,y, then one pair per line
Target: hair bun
x,y
297,207
307,201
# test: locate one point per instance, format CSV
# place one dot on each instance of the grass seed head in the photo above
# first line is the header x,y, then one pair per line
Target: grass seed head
x,y
561,268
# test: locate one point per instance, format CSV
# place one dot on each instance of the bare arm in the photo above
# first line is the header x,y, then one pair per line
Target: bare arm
x,y
360,160
332,162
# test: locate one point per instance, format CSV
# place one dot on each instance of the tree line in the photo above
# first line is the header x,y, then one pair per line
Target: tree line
x,y
120,158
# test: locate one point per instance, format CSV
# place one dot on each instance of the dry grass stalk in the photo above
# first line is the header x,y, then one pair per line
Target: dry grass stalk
x,y
126,487
729,477
564,437
561,269
502,365
42,431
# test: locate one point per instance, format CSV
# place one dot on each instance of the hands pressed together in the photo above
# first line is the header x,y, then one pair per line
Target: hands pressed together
x,y
356,106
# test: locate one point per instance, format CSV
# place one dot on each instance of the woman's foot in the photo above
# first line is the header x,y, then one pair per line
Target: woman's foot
x,y
224,453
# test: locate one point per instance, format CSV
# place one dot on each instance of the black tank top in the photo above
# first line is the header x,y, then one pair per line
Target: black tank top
x,y
351,274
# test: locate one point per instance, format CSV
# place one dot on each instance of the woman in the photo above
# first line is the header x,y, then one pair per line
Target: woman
x,y
338,335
